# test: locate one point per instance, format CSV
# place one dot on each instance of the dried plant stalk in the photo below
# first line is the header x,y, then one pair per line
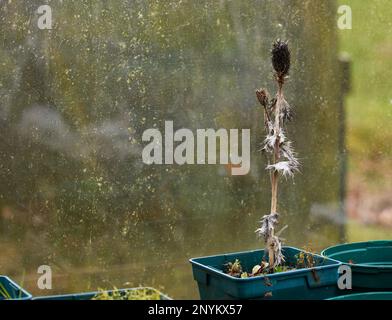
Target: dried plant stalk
x,y
282,156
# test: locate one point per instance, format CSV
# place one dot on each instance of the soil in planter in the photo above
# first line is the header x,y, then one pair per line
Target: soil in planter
x,y
135,294
303,260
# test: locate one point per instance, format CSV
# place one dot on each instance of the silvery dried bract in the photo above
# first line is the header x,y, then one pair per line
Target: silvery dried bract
x,y
289,163
272,138
285,168
286,113
269,141
267,227
276,244
288,152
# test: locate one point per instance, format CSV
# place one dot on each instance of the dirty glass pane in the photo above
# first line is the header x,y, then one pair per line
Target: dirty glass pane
x,y
76,99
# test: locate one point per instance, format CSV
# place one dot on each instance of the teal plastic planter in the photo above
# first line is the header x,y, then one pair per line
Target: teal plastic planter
x,y
370,262
9,290
315,283
90,295
365,296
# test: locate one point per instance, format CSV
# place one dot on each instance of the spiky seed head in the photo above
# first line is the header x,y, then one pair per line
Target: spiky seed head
x,y
262,96
281,57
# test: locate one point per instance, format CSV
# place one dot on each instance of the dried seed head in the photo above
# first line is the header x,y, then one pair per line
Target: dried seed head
x,y
281,58
262,96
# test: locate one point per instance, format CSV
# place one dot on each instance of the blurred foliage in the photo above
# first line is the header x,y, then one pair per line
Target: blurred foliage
x,y
369,105
357,231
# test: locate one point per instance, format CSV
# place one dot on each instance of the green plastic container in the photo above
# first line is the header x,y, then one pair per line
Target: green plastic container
x,y
370,262
9,290
315,283
90,295
365,296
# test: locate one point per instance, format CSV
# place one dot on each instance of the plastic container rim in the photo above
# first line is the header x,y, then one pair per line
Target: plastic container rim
x,y
298,272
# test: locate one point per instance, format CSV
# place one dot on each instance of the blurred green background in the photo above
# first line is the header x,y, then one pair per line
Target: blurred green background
x,y
369,117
